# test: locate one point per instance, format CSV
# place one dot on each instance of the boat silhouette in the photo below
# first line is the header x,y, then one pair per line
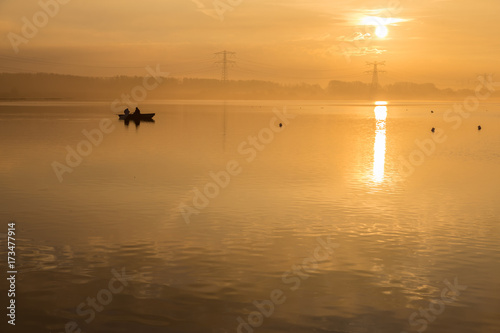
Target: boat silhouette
x,y
137,117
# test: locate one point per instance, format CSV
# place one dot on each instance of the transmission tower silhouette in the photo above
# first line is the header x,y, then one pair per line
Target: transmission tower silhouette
x,y
375,85
225,62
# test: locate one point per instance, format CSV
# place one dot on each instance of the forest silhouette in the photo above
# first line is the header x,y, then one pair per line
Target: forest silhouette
x,y
55,86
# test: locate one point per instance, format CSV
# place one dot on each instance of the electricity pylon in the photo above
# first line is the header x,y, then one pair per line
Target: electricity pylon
x,y
375,85
225,62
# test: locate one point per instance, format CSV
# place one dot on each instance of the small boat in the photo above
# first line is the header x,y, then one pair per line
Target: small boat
x,y
140,116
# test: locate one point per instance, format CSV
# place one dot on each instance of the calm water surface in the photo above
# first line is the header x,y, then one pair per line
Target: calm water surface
x,y
333,174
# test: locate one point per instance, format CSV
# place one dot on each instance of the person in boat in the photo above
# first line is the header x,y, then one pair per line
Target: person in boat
x,y
127,112
137,111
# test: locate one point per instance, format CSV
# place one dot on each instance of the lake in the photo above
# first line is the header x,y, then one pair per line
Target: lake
x,y
350,217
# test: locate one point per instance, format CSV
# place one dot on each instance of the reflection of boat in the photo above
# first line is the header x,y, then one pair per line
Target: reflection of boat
x,y
135,117
138,121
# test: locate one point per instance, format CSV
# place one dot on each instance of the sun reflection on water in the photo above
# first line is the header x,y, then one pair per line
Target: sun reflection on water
x,y
380,141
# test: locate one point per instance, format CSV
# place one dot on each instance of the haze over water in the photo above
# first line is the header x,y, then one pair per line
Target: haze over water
x,y
332,174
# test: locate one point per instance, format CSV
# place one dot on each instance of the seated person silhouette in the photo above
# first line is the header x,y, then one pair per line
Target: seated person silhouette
x,y
137,111
127,112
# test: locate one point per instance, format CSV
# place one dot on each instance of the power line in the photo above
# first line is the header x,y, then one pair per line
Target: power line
x,y
273,66
278,74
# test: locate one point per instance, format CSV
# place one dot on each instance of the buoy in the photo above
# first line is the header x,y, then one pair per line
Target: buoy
x,y
433,130
432,111
281,125
479,128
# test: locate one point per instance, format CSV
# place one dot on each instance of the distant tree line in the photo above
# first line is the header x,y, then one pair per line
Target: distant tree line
x,y
55,86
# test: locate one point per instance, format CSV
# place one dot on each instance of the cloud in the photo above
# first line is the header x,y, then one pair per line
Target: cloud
x,y
207,7
356,36
351,51
377,21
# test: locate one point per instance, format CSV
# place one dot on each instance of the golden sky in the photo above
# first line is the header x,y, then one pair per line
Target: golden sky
x,y
447,42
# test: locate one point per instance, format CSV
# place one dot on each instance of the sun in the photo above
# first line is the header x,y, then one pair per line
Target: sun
x,y
381,31
379,24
